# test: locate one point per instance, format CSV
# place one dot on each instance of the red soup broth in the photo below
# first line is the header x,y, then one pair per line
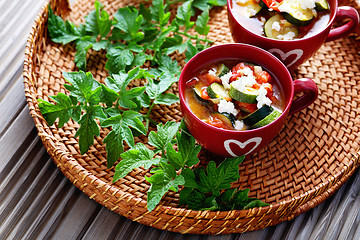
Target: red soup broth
x,y
256,23
207,109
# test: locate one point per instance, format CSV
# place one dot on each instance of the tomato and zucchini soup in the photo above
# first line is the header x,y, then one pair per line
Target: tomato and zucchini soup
x,y
234,96
282,19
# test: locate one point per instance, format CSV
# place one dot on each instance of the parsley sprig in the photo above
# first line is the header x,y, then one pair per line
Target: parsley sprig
x,y
132,32
131,38
202,188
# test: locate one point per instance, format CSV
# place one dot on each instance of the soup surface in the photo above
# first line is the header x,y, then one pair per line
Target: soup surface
x,y
234,95
282,19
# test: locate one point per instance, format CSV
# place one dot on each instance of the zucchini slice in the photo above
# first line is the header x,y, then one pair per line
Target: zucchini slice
x,y
222,70
226,118
251,8
249,96
216,90
278,28
268,119
322,5
197,91
258,115
294,14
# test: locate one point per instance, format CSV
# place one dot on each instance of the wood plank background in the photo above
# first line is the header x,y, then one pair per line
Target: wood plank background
x,y
38,202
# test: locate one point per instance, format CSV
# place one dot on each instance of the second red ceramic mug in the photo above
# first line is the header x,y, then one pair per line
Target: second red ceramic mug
x,y
294,52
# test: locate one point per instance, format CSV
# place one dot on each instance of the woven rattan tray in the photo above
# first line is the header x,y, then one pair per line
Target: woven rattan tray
x,y
314,154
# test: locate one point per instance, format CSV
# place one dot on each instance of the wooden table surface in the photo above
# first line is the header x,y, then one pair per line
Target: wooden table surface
x,y
38,202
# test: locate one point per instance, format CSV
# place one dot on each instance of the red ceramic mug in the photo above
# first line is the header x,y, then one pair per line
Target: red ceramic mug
x,y
294,52
233,143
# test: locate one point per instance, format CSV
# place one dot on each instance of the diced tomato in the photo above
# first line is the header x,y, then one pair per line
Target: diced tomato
x,y
234,77
272,97
247,107
263,77
256,86
204,94
213,121
212,78
273,4
241,66
236,71
270,93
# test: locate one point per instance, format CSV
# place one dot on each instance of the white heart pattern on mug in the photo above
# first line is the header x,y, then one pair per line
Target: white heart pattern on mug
x,y
284,56
256,140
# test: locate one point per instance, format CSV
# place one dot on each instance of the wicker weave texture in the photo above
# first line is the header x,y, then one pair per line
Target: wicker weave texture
x,y
313,155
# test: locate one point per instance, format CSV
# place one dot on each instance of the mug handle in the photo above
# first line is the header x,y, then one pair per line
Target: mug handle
x,y
310,93
342,13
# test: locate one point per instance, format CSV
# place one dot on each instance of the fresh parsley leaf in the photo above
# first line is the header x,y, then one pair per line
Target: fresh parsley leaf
x,y
256,203
205,4
102,44
184,14
84,87
128,98
214,179
157,43
158,12
162,181
89,127
190,51
118,59
108,95
121,131
82,46
129,22
98,21
62,31
217,2
187,151
167,65
201,24
164,135
136,157
190,179
193,199
64,109
167,99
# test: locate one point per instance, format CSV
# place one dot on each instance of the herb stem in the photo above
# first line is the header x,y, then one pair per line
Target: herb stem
x,y
196,37
148,118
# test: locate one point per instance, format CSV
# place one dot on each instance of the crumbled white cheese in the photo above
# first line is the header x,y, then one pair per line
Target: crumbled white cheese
x,y
257,70
227,107
247,71
276,26
252,12
287,36
239,125
304,4
225,80
288,6
247,80
262,99
243,82
212,72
